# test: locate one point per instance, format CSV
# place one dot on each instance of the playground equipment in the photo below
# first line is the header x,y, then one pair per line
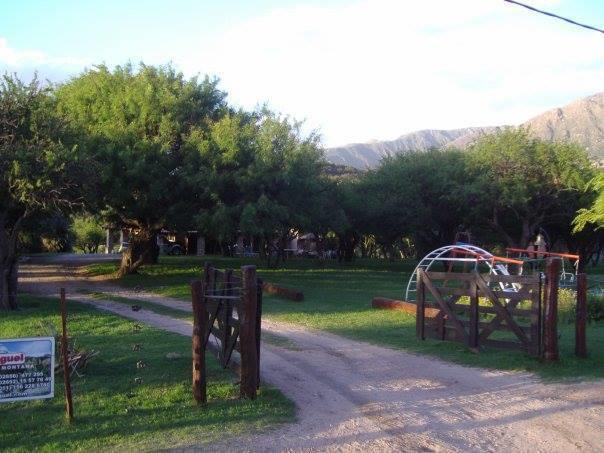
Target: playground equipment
x,y
468,256
526,261
535,259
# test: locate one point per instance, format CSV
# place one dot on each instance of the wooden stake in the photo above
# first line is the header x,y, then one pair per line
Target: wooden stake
x,y
550,327
259,287
580,323
421,306
64,353
249,353
200,321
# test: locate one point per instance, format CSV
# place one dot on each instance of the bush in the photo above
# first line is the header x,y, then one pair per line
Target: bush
x,y
595,307
89,234
567,306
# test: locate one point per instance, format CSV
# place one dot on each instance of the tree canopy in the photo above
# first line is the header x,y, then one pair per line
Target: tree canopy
x,y
524,182
593,216
134,122
40,169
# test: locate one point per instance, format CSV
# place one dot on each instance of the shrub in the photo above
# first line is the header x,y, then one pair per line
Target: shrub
x,y
567,306
595,307
89,234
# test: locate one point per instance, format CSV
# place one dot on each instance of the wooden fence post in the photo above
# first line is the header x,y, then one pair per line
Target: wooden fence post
x,y
248,345
421,306
536,319
550,327
580,335
258,324
200,321
474,318
64,353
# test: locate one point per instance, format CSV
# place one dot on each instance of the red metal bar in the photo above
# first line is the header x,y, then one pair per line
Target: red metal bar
x,y
537,252
507,260
489,258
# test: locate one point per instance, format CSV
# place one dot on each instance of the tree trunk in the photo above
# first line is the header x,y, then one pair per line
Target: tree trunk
x,y
525,236
9,263
143,249
9,270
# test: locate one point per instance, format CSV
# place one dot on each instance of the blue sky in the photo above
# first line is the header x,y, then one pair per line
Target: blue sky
x,y
354,69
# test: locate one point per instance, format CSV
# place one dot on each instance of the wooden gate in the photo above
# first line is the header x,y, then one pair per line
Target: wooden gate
x,y
491,310
227,312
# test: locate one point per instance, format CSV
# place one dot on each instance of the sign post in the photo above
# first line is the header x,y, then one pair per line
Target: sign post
x,y
27,367
64,354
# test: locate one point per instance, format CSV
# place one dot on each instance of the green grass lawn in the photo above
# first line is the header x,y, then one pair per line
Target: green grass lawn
x,y
111,410
337,300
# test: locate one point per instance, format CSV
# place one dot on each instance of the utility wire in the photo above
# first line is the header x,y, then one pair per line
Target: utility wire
x,y
555,15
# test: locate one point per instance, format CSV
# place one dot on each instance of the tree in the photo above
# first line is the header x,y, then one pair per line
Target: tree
x,y
423,196
88,233
265,179
135,123
593,216
522,180
39,170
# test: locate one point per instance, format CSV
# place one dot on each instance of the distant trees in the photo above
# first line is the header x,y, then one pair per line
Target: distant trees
x,y
504,188
88,233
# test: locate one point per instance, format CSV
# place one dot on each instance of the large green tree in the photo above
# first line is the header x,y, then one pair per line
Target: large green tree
x,y
135,122
525,183
39,170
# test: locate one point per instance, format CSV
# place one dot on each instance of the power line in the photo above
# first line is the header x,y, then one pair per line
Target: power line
x,y
555,15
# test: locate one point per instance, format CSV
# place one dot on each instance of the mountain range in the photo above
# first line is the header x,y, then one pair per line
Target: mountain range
x,y
581,121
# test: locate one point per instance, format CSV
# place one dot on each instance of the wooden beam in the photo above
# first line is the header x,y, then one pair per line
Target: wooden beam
x,y
400,305
200,320
581,319
550,328
249,353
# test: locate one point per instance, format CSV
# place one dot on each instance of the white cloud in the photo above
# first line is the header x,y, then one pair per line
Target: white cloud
x,y
379,68
12,57
28,61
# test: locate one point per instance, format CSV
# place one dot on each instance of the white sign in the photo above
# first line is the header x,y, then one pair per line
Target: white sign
x,y
27,369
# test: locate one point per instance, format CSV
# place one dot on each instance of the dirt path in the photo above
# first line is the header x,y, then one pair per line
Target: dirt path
x,y
355,396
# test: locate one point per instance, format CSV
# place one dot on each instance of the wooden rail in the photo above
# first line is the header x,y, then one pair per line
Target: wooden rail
x,y
465,320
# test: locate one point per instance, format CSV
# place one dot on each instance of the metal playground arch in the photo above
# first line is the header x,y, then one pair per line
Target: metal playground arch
x,y
467,254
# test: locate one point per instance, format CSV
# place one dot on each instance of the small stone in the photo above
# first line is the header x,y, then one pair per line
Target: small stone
x,y
173,355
